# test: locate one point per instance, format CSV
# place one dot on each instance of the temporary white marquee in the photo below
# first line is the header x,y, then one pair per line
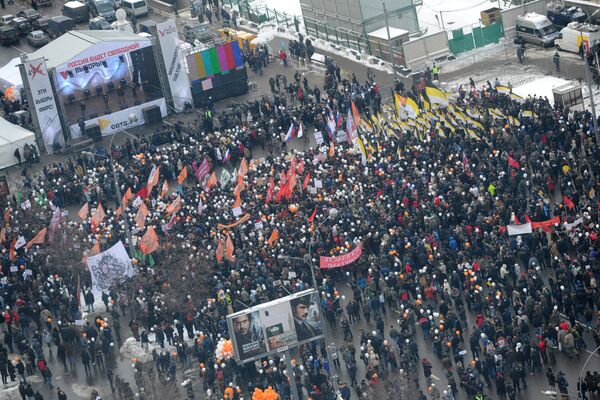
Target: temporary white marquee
x,y
12,137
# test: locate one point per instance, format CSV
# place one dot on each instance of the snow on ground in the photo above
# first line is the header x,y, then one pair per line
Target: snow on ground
x,y
133,349
290,7
541,87
455,14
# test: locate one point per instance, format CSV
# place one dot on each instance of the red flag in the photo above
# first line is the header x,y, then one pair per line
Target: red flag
x,y
84,211
292,185
513,163
142,193
312,216
516,219
270,189
283,189
300,167
38,239
306,180
182,175
274,236
568,202
149,242
174,206
229,249
527,219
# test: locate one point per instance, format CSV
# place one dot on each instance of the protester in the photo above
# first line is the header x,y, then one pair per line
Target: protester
x,y
432,194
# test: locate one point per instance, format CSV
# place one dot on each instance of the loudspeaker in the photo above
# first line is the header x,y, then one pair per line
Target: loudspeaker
x,y
93,131
152,115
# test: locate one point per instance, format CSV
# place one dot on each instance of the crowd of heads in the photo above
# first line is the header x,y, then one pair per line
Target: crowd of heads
x,y
430,208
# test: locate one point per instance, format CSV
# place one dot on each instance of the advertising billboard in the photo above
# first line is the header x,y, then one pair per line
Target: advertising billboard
x,y
178,80
44,103
120,120
275,326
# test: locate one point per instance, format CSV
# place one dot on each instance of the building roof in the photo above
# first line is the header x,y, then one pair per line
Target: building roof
x,y
71,44
395,33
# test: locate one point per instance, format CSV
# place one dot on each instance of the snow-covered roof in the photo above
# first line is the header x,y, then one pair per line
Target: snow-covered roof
x,y
534,18
71,44
383,34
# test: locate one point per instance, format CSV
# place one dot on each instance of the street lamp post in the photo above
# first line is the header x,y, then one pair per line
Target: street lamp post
x,y
333,212
117,187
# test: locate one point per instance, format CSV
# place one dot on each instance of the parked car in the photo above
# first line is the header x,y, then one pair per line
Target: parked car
x,y
562,16
22,25
199,32
102,8
537,29
76,10
135,7
59,25
5,19
30,14
8,35
38,38
40,3
98,24
41,24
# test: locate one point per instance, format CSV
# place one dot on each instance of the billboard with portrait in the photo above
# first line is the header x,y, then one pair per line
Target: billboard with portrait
x,y
275,326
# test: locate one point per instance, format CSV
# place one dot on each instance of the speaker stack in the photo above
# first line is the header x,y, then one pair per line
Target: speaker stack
x,y
152,115
93,131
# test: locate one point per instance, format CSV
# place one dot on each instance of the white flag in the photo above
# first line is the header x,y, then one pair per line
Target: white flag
x,y
519,229
108,268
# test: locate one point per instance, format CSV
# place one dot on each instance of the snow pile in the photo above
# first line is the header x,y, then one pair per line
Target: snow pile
x,y
455,14
290,7
541,87
133,349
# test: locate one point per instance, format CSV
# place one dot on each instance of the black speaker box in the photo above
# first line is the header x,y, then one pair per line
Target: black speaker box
x,y
152,115
93,131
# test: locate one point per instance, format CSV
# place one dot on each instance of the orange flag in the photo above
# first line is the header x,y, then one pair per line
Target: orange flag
x,y
238,202
141,215
355,114
182,175
96,249
164,192
127,196
229,248
118,212
331,149
274,237
153,178
38,239
243,170
98,216
212,181
219,253
149,242
174,206
84,211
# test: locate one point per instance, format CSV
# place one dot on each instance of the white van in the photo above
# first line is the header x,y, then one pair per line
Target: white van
x,y
135,7
537,29
577,36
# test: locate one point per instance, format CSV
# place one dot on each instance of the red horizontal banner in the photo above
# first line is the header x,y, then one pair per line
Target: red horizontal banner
x,y
340,261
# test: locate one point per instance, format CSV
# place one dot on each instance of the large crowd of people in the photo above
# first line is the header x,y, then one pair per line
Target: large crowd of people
x,y
432,197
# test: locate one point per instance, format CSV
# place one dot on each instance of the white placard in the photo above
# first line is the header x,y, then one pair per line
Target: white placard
x,y
14,268
319,138
341,137
168,40
258,226
318,183
237,211
44,103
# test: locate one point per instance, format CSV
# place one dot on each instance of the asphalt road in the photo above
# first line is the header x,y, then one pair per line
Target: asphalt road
x,y
78,386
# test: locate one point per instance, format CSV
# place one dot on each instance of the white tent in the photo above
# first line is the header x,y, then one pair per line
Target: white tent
x,y
10,76
12,137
